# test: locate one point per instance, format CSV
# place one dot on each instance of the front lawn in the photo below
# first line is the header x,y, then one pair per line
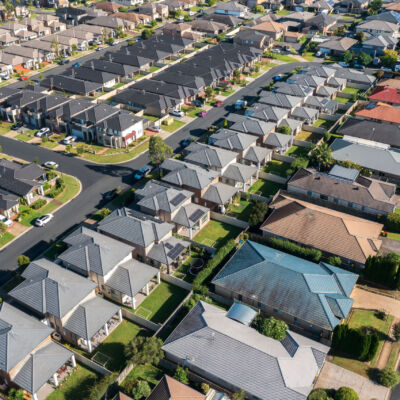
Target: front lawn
x,y
5,127
284,58
240,210
192,111
24,137
114,345
152,118
6,238
297,151
309,56
277,167
227,93
323,123
49,144
268,65
161,302
174,126
72,188
283,12
265,188
217,234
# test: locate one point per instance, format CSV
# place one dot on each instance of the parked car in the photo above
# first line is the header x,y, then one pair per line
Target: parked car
x,y
63,62
218,103
240,104
42,132
108,196
177,113
197,103
99,49
69,139
43,220
115,42
343,64
5,76
6,221
17,125
277,51
155,128
202,114
144,171
23,78
186,142
78,64
51,164
277,78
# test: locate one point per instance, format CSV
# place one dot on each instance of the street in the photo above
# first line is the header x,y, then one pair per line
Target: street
x,y
97,179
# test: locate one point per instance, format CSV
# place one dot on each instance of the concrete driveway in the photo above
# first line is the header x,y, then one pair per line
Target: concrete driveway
x,y
333,377
372,301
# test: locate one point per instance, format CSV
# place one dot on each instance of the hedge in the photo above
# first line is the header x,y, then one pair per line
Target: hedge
x,y
289,247
58,188
38,204
384,270
393,223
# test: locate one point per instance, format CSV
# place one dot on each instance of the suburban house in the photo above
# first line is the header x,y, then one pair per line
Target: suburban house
x,y
266,112
311,225
108,6
68,303
68,84
345,187
380,112
287,287
305,114
322,23
260,129
376,45
322,104
22,180
240,176
279,100
385,94
337,46
293,89
220,346
30,359
109,263
170,389
151,238
279,142
377,27
252,38
154,10
210,28
9,204
123,70
232,8
273,29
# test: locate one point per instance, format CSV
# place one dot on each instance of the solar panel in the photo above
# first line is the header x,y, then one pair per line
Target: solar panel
x,y
290,345
196,215
176,251
178,199
169,246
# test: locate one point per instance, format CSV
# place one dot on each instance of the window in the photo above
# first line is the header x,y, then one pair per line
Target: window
x,y
295,320
323,197
335,200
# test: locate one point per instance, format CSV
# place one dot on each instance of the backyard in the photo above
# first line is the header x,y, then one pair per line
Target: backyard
x,y
240,209
342,100
308,136
216,234
350,90
183,271
148,373
323,123
161,302
277,167
297,151
265,188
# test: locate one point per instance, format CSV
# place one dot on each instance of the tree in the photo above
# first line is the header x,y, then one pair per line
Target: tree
x,y
141,390
211,3
318,394
3,229
340,31
346,393
146,33
55,46
360,36
388,377
23,261
238,395
389,58
258,212
383,270
335,261
209,92
104,213
285,130
178,13
74,48
299,162
259,9
374,7
182,374
396,331
271,327
15,394
347,57
205,388
120,31
321,156
364,59
144,350
106,34
9,8
158,150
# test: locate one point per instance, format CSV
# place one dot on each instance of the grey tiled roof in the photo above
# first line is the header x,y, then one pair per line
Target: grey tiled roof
x,y
277,139
253,126
256,154
279,99
304,113
90,316
292,89
266,112
189,215
214,345
8,200
219,193
231,140
19,335
91,251
167,251
239,172
49,288
131,277
134,227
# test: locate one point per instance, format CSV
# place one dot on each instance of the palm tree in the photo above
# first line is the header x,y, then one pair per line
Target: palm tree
x,y
321,156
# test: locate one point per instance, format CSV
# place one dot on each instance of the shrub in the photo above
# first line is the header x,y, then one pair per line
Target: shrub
x,y
383,270
287,246
318,394
393,222
258,212
205,387
388,377
396,331
182,374
23,261
335,261
271,327
38,204
51,174
57,189
104,212
299,162
373,348
46,186
346,393
141,390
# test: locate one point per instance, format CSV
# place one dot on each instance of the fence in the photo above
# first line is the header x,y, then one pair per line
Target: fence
x,y
124,373
355,85
257,197
345,95
272,177
208,249
90,364
302,143
229,220
176,281
130,316
281,157
314,129
329,117
349,110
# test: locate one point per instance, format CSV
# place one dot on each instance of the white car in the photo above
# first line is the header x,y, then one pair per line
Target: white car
x,y
44,219
51,164
69,139
42,132
4,220
277,51
177,113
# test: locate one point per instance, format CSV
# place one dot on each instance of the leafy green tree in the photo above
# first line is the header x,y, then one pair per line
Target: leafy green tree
x,y
271,327
104,213
141,390
347,57
374,7
258,212
388,377
74,48
144,350
340,31
318,394
360,36
299,162
346,393
23,261
211,3
396,331
384,270
15,394
158,150
238,395
259,9
321,157
209,92
335,261
146,33
389,58
285,130
182,374
364,59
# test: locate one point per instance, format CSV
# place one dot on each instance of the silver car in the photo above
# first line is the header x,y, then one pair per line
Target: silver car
x,y
43,220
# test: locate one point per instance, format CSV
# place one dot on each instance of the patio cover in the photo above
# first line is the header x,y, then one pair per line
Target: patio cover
x,y
90,317
131,276
166,252
41,366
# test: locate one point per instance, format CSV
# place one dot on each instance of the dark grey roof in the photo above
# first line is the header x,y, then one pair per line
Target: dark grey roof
x,y
253,126
90,316
239,172
266,112
304,113
167,251
49,288
292,89
279,99
111,67
20,334
91,251
41,366
92,75
219,193
275,139
166,89
208,156
97,114
220,348
307,80
128,59
231,140
24,98
189,215
70,85
119,122
179,78
256,154
45,104
131,277
134,227
8,200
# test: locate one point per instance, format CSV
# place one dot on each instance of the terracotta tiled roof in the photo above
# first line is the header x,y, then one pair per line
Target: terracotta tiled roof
x,y
108,6
393,83
270,26
386,94
381,112
395,6
330,231
170,389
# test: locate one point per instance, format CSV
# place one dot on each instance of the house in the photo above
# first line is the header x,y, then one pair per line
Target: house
x,y
363,80
322,23
22,180
376,45
252,38
123,71
314,226
232,8
45,48
30,358
72,15
377,27
293,89
69,84
345,187
172,204
108,6
240,176
105,79
229,20
295,21
353,6
374,131
380,159
395,6
210,157
322,104
336,46
68,303
305,114
312,81
393,83
151,238
154,10
210,28
67,41
280,100
273,29
380,112
287,287
385,94
214,344
7,40
389,16
108,22
266,112
279,142
14,27
31,57
9,204
170,389
108,263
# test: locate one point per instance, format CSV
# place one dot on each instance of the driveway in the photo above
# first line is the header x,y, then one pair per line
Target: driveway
x,y
372,301
390,246
333,377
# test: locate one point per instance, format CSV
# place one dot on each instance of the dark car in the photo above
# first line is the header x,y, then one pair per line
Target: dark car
x,y
144,171
108,196
197,103
63,62
16,126
186,142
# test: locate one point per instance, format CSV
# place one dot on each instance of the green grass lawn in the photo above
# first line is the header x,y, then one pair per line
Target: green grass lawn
x,y
5,127
216,234
161,302
240,210
152,118
49,145
227,93
284,58
265,188
283,12
393,235
148,373
174,126
268,65
72,187
351,90
297,151
192,111
114,345
76,386
308,136
118,85
323,123
23,137
182,271
309,56
342,100
154,69
6,238
277,168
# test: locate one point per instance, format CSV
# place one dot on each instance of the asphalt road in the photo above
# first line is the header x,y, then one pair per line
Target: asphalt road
x,y
97,179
